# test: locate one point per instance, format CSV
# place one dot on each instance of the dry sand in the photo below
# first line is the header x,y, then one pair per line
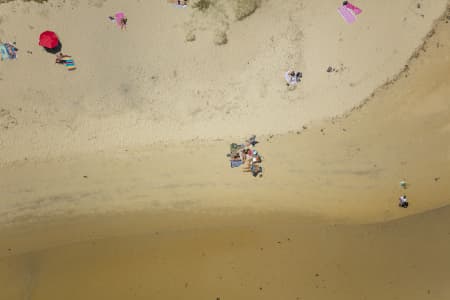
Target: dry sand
x,y
148,84
101,209
347,168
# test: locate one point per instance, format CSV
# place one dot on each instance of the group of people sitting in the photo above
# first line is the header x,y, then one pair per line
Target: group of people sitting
x,y
243,154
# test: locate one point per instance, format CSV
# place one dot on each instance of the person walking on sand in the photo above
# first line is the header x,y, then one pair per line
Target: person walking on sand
x,y
403,201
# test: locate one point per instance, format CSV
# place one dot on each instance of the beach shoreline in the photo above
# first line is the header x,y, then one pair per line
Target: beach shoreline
x,y
239,257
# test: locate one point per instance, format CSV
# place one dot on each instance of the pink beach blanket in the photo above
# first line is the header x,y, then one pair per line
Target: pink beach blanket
x,y
119,16
354,9
346,14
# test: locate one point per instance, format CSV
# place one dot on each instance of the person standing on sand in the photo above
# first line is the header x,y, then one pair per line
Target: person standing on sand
x,y
403,201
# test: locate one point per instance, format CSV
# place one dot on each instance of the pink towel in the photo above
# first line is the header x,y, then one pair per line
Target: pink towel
x,y
119,17
354,9
346,14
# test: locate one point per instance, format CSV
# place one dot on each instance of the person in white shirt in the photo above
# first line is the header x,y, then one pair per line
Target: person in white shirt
x,y
403,201
292,77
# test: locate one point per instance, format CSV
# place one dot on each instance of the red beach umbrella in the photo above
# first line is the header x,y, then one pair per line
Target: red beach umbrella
x,y
48,39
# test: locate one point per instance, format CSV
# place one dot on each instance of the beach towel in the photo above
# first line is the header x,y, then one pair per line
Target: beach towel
x,y
346,14
354,9
70,64
4,52
8,51
235,163
234,148
291,80
11,50
119,16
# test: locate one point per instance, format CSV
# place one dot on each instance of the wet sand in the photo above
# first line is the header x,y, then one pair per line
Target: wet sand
x,y
272,256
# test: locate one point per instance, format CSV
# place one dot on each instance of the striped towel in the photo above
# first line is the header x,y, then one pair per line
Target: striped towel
x,y
70,64
356,10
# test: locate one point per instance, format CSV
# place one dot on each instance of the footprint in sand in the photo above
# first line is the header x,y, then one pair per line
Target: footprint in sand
x,y
7,121
74,3
96,3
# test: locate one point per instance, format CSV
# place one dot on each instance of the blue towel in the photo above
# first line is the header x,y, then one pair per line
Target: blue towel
x,y
236,163
4,52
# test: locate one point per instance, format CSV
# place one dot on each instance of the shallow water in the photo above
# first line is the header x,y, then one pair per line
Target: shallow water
x,y
234,257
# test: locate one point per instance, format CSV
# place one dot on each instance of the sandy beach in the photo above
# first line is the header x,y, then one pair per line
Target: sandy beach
x,y
148,85
114,181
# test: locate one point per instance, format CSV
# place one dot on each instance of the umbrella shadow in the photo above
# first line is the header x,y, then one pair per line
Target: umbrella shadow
x,y
55,49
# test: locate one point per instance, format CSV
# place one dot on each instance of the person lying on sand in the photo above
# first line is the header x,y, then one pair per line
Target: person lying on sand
x,y
235,156
256,158
248,154
251,141
247,165
256,169
180,3
120,19
292,77
61,58
123,23
252,156
242,155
